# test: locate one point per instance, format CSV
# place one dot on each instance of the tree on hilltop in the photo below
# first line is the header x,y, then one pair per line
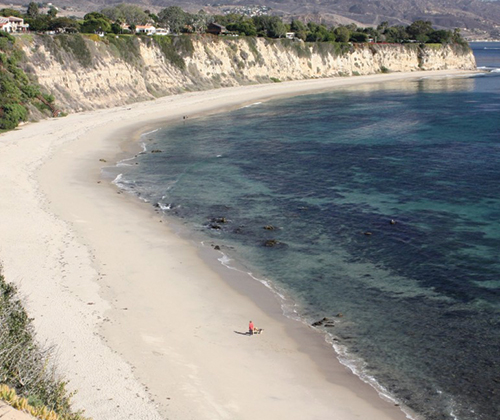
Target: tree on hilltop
x,y
270,26
128,13
342,33
173,18
10,12
319,33
33,11
299,28
95,22
420,30
63,23
52,12
199,21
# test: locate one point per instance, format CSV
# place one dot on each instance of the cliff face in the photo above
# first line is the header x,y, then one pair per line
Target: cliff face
x,y
87,74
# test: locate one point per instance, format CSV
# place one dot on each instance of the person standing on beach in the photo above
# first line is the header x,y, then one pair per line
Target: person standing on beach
x,y
250,328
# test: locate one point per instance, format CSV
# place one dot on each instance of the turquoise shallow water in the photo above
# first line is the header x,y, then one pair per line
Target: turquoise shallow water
x,y
420,298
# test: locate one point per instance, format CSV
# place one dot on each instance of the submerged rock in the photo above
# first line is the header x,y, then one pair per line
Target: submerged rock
x,y
325,322
219,220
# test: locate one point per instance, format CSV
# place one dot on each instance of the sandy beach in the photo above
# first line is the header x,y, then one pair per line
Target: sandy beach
x,y
144,327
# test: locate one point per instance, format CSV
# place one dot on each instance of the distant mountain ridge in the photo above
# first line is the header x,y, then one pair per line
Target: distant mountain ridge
x,y
478,19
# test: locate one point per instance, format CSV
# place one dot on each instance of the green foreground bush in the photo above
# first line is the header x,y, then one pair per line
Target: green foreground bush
x,y
25,366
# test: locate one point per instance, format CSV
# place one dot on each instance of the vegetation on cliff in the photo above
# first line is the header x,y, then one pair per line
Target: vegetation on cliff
x,y
124,19
113,31
26,370
18,92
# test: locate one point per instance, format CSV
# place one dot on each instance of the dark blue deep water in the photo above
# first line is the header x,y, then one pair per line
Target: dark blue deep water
x,y
420,298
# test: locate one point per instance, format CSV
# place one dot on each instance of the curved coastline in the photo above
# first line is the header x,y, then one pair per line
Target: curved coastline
x,y
106,282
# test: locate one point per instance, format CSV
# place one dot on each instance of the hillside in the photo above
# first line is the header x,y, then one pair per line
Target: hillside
x,y
476,18
90,72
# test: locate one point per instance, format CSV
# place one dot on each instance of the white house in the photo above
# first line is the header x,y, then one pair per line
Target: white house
x,y
13,24
149,29
145,29
161,31
5,25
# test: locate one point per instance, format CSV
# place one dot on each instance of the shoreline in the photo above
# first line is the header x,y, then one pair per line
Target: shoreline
x,y
106,282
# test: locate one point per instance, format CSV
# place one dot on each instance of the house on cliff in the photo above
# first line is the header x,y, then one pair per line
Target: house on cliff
x,y
145,29
13,24
216,29
150,30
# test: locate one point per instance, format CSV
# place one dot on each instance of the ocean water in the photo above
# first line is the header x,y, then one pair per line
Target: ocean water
x,y
326,173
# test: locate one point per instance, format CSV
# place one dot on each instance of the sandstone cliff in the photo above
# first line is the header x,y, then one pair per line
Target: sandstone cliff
x,y
84,73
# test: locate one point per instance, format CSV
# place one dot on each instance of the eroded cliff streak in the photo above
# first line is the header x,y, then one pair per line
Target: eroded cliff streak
x,y
87,74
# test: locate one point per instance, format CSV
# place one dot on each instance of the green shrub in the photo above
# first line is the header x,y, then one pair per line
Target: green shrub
x,y
76,45
17,91
49,98
9,90
30,91
92,37
252,45
184,45
341,48
11,115
6,35
324,49
434,46
6,42
127,48
25,366
169,50
302,49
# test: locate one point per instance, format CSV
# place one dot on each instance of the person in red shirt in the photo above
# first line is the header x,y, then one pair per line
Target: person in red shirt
x,y
250,328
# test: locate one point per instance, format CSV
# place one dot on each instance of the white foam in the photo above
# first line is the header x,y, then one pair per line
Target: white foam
x,y
149,132
489,69
165,207
123,162
117,180
225,261
123,184
254,104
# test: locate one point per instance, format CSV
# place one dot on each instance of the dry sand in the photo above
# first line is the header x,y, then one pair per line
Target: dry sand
x,y
144,328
